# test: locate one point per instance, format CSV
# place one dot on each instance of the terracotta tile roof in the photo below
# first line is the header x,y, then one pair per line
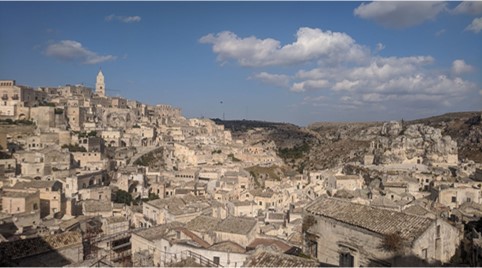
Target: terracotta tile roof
x,y
158,231
370,218
282,246
202,224
268,258
228,246
37,245
17,194
34,184
236,225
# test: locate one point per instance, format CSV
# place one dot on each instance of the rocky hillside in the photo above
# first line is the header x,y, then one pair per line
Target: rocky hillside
x,y
465,128
328,144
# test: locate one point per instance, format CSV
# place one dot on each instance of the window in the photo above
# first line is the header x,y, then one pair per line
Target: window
x,y
312,247
216,259
346,259
438,230
469,199
425,254
454,199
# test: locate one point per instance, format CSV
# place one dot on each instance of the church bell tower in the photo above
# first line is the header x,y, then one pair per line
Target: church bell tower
x,y
100,84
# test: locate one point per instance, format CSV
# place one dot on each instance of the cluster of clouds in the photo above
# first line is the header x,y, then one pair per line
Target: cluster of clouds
x,y
74,51
310,44
346,73
392,14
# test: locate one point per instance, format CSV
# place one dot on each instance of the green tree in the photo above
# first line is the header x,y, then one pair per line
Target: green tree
x,y
122,197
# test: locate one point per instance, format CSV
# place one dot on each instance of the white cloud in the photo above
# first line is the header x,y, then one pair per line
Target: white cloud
x,y
475,26
393,14
310,45
459,67
389,79
350,102
380,47
125,19
69,50
468,7
280,80
309,85
346,85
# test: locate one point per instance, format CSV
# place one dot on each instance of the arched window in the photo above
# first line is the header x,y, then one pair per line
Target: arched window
x,y
35,206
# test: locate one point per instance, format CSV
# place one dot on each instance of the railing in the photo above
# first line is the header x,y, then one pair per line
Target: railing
x,y
198,259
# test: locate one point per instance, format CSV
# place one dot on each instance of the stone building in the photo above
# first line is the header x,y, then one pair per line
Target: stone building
x,y
87,179
9,167
14,97
112,137
14,202
349,182
454,197
114,225
90,143
50,194
338,232
174,245
184,209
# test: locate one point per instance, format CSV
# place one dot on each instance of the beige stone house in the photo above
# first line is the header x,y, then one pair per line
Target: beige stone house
x,y
338,232
89,160
453,197
241,230
180,209
9,167
85,179
50,193
14,202
349,182
171,244
114,225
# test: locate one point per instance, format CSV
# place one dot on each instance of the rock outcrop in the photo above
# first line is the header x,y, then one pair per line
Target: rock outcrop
x,y
416,143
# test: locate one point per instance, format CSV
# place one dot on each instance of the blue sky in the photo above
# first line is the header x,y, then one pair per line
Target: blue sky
x,y
297,62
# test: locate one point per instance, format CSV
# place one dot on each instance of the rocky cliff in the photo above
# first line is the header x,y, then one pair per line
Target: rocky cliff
x,y
417,143
329,144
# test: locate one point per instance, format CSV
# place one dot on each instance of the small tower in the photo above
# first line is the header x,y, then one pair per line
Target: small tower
x,y
100,84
